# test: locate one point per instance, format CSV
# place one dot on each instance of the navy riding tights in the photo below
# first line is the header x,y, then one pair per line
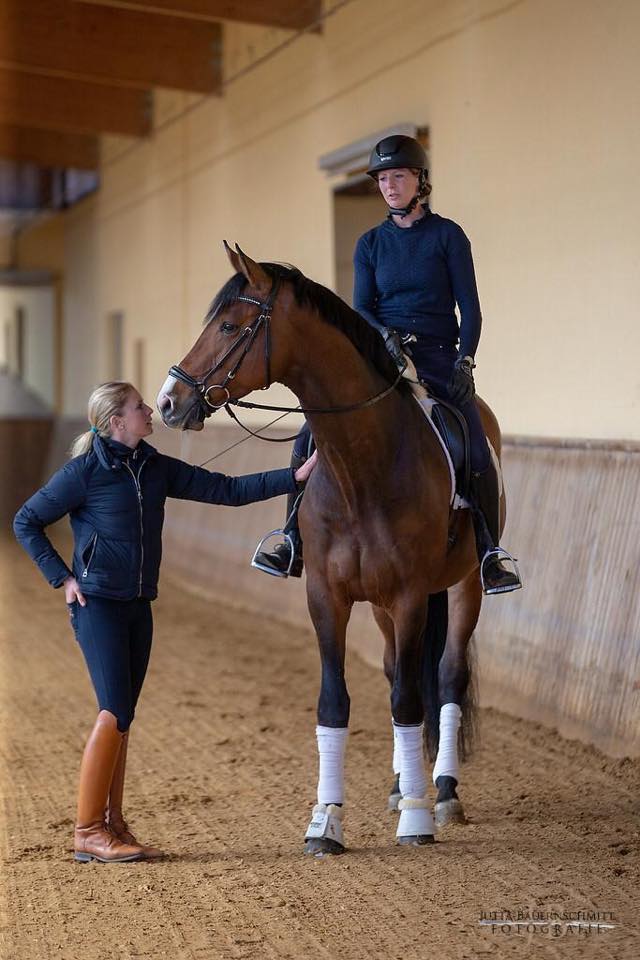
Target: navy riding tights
x,y
434,364
115,637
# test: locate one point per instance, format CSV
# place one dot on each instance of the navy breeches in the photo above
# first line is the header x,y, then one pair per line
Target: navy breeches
x,y
115,637
434,363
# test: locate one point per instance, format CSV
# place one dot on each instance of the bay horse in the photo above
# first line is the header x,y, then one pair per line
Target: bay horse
x,y
376,523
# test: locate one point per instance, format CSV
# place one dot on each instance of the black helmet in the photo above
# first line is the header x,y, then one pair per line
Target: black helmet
x,y
396,151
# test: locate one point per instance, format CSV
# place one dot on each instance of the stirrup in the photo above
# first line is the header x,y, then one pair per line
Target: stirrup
x,y
498,553
265,569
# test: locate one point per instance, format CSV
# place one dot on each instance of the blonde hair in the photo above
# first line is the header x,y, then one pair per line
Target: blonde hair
x,y
106,401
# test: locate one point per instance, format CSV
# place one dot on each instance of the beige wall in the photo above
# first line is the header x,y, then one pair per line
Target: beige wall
x,y
532,109
38,306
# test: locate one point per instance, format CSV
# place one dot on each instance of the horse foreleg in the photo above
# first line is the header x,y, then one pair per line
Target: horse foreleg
x,y
330,617
385,623
465,600
415,825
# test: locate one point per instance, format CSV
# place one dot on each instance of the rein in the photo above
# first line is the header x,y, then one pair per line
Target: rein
x,y
248,338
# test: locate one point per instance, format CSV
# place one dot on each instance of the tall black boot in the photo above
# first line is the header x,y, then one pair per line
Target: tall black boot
x,y
278,562
485,495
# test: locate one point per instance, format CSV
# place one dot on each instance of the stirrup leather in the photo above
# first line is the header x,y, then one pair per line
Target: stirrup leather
x,y
498,553
261,566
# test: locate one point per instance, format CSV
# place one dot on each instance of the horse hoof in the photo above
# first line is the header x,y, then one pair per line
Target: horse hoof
x,y
449,811
419,841
323,847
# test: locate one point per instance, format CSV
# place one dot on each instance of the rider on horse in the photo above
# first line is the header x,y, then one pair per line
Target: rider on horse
x,y
410,271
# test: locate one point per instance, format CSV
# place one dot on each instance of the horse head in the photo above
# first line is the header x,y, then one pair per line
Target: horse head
x,y
232,356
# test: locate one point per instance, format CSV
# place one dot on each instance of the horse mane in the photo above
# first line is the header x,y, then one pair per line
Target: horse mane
x,y
329,307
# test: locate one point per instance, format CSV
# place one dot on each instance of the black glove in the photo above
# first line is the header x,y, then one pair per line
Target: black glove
x,y
462,389
393,344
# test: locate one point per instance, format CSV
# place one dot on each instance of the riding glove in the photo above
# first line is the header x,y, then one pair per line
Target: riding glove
x,y
393,344
462,389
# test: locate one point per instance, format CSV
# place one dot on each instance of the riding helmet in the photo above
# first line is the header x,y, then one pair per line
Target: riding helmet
x,y
396,151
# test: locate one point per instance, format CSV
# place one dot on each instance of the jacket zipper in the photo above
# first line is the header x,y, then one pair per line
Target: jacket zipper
x,y
136,480
85,572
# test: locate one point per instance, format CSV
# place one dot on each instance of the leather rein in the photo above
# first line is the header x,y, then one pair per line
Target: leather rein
x,y
246,341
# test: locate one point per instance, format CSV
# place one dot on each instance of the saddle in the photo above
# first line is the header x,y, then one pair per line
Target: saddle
x,y
452,431
452,427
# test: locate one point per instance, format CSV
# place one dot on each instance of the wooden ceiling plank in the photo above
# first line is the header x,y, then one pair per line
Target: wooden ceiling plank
x,y
119,46
50,148
52,103
271,13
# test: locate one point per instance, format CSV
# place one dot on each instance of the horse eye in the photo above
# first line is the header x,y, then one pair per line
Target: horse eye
x,y
228,327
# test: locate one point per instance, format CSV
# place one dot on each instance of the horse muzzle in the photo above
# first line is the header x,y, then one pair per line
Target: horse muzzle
x,y
179,408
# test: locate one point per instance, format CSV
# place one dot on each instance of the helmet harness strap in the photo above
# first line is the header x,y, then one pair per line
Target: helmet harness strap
x,y
405,211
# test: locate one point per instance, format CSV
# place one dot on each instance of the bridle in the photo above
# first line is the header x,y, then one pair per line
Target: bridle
x,y
246,340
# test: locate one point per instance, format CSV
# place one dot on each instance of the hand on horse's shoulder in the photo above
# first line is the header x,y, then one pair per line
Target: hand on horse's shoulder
x,y
303,472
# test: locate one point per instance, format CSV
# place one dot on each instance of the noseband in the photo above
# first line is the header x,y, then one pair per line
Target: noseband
x,y
246,340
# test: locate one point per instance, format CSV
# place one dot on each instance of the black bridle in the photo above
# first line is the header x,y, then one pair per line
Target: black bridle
x,y
247,339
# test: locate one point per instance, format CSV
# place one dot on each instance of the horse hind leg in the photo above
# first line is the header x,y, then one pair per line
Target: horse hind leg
x,y
457,699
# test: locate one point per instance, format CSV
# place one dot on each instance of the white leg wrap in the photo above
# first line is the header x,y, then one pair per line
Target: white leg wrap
x,y
446,764
332,742
415,818
396,751
326,822
408,743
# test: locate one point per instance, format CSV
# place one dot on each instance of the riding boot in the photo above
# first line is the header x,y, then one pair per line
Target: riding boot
x,y
114,818
278,560
93,839
485,494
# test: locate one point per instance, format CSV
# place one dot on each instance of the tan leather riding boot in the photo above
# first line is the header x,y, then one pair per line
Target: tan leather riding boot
x,y
93,840
115,820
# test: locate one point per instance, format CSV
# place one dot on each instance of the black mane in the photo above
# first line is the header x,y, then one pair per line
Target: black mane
x,y
329,307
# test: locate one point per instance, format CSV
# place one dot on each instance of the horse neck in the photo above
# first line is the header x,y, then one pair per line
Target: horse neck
x,y
327,371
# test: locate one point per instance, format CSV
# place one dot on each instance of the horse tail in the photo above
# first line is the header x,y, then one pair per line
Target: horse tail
x,y
468,735
435,638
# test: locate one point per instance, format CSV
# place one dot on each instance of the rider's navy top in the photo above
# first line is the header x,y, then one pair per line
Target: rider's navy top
x,y
410,278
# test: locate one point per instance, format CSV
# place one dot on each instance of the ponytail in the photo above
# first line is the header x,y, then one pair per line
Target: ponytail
x,y
106,401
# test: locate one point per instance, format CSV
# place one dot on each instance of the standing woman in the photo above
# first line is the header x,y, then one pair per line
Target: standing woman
x,y
410,272
114,489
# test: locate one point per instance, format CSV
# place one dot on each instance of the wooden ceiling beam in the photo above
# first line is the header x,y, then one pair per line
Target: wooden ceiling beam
x,y
271,13
49,148
113,45
52,103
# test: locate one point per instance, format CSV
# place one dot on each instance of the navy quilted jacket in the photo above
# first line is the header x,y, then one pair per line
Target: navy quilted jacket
x,y
115,499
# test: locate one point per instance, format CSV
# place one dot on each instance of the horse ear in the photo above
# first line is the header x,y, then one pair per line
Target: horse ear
x,y
234,259
252,270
